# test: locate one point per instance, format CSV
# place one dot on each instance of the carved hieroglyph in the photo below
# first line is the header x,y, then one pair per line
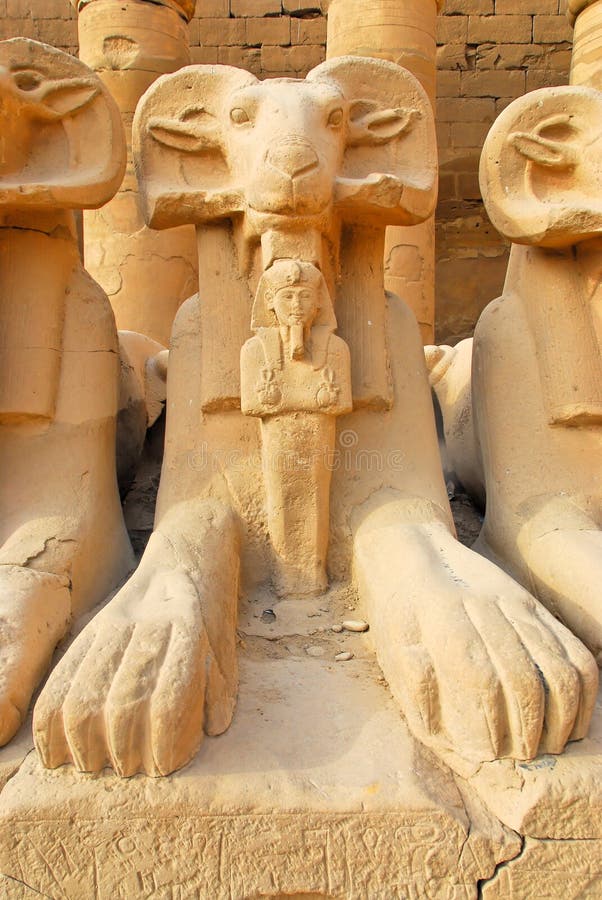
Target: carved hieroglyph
x,y
312,172
146,275
541,177
63,543
402,31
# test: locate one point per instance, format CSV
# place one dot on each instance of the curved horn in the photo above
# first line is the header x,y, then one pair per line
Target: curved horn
x,y
178,145
74,143
539,183
389,171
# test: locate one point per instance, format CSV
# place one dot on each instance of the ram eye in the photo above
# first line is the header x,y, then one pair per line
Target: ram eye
x,y
27,81
335,118
239,116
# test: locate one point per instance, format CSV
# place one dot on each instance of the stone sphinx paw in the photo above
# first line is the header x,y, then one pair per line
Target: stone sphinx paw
x,y
497,676
482,670
565,564
139,686
35,611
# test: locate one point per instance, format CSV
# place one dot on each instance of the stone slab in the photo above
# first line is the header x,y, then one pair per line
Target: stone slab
x,y
549,870
316,789
16,890
552,797
14,753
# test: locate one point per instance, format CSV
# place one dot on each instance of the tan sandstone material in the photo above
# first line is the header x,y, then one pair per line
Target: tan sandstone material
x,y
129,43
306,171
403,33
313,785
330,798
63,545
540,175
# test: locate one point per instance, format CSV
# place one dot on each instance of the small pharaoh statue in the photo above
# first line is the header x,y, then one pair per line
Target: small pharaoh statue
x,y
296,376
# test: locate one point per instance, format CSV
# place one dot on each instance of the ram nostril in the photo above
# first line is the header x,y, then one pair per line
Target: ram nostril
x,y
293,158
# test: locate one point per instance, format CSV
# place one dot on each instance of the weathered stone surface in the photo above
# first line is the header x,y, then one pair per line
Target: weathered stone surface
x,y
308,173
63,544
293,789
146,275
296,378
449,376
333,799
405,34
13,753
299,28
553,797
541,179
547,870
16,890
577,6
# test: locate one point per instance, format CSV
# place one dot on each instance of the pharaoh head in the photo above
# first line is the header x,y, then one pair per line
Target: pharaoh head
x,y
292,294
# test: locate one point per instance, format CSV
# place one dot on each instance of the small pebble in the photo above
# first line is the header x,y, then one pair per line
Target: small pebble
x,y
337,629
315,650
344,657
268,616
357,626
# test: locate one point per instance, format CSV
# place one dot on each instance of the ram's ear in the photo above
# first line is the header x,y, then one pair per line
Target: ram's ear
x,y
179,146
75,146
537,183
389,171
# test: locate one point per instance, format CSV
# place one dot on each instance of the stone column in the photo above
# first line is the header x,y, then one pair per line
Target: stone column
x,y
402,31
147,274
586,64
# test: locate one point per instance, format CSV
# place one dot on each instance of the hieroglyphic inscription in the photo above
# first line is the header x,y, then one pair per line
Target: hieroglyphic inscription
x,y
231,857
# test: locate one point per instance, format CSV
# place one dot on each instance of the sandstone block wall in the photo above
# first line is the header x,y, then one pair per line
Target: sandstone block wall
x,y
490,51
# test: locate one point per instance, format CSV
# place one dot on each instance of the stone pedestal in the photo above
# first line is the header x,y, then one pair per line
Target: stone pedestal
x,y
555,803
316,790
404,33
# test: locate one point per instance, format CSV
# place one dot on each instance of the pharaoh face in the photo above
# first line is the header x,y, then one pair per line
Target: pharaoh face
x,y
295,304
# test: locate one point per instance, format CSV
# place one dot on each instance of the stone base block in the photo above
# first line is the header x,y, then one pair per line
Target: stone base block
x,y
317,790
557,798
550,870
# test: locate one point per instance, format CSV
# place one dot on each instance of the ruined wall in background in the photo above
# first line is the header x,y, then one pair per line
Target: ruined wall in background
x,y
490,52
